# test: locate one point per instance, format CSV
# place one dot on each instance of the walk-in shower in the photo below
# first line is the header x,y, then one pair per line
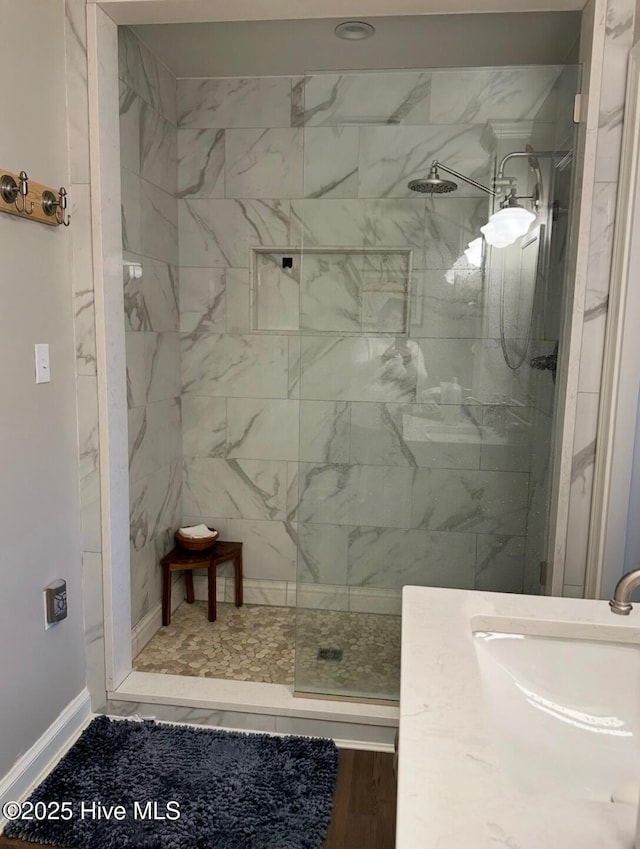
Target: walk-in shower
x,y
316,359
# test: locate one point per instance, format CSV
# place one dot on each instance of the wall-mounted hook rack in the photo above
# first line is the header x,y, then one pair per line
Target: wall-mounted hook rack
x,y
27,199
56,207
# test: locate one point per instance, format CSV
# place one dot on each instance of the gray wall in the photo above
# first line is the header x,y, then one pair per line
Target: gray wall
x,y
41,672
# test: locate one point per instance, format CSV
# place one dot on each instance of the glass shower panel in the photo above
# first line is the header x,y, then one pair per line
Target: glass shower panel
x,y
415,433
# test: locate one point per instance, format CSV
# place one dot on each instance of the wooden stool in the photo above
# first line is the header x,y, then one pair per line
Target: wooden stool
x,y
179,559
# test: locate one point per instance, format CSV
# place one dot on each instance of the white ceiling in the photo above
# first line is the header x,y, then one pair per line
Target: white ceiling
x,y
174,11
256,48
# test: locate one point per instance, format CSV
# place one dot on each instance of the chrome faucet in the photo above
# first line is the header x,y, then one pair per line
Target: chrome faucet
x,y
626,585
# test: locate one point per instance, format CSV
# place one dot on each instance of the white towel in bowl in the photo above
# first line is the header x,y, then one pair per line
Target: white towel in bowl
x,y
197,532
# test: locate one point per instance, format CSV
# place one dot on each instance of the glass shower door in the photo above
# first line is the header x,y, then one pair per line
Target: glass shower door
x,y
416,434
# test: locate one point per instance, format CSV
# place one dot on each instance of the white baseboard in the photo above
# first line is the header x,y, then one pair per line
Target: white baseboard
x,y
28,771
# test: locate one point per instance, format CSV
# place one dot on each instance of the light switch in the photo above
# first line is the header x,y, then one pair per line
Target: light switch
x,y
43,374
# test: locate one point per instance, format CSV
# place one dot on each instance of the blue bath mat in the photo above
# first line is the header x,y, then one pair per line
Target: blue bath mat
x,y
213,789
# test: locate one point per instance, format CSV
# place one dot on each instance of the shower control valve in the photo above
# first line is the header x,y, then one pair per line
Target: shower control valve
x,y
545,363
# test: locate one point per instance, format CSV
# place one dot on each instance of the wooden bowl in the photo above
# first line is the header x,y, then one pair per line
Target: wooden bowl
x,y
192,544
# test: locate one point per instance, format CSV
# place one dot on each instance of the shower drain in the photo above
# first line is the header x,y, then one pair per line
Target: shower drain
x,y
329,654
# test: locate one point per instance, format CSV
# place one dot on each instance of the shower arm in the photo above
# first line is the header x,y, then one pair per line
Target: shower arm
x,y
501,182
470,180
533,156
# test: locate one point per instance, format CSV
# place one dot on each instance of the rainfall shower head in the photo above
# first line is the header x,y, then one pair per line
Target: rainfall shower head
x,y
433,184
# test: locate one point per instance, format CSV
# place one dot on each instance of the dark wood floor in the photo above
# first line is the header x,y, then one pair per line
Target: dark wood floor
x,y
364,802
364,805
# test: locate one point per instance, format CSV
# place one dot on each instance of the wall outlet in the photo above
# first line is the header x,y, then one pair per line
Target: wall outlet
x,y
55,603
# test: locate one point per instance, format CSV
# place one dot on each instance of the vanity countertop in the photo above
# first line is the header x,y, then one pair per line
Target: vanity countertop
x,y
453,792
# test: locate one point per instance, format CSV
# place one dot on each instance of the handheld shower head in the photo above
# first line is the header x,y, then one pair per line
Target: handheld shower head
x,y
433,184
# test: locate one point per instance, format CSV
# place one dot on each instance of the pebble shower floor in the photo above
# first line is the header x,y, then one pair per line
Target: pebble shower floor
x,y
258,643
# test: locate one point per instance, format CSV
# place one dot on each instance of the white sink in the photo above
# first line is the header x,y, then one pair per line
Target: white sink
x,y
563,712
518,722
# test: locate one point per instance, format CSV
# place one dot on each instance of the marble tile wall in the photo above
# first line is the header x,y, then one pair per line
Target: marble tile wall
x,y
148,157
307,431
618,39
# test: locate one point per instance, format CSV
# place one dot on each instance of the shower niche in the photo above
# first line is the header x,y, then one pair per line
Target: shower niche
x,y
324,290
